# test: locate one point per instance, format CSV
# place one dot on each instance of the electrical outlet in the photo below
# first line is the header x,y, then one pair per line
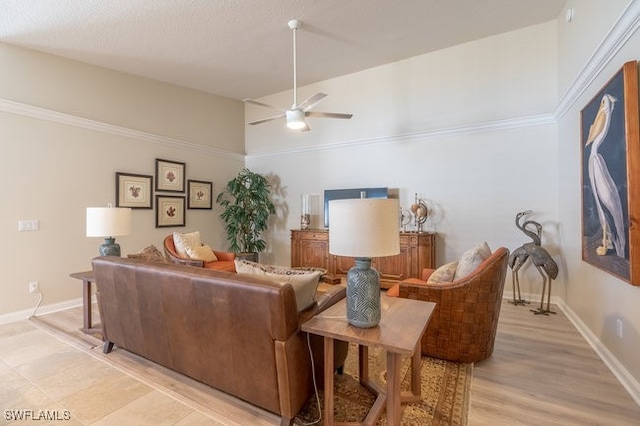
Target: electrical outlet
x,y
619,328
33,287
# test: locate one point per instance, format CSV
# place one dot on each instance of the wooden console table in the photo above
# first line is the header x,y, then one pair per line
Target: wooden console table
x,y
88,279
417,251
401,327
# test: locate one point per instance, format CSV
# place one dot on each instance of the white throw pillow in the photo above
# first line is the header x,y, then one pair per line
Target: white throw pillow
x,y
203,252
471,259
182,242
304,283
443,274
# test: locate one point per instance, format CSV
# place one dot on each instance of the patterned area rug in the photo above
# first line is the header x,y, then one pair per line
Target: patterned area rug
x,y
445,392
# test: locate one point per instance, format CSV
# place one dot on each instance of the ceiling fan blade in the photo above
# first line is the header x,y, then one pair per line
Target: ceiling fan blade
x,y
327,114
312,101
264,120
251,101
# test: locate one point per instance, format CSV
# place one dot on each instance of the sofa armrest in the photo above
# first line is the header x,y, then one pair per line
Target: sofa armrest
x,y
324,299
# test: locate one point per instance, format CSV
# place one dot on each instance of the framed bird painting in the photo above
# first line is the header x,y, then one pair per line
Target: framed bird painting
x,y
610,146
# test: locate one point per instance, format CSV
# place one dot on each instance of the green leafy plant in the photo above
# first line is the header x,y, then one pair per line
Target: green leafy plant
x,y
247,205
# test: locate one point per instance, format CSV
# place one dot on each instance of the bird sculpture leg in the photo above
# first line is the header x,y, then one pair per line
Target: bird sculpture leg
x,y
541,310
549,311
516,288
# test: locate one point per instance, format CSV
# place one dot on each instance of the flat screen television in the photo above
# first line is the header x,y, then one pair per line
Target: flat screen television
x,y
342,194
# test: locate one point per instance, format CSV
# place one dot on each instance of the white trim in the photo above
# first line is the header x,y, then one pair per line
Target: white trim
x,y
46,309
623,375
18,108
626,25
489,126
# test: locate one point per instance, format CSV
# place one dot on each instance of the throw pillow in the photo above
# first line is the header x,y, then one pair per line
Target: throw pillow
x,y
184,241
471,259
249,266
443,274
203,252
304,283
149,254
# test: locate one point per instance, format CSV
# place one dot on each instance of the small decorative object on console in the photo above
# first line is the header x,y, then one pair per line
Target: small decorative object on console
x,y
305,211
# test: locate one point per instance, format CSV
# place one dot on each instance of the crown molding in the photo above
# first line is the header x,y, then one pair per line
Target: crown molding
x,y
18,108
490,126
626,25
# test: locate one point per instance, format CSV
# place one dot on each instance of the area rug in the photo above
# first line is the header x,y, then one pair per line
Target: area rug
x,y
445,392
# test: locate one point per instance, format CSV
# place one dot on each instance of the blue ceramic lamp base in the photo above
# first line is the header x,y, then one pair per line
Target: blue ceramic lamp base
x,y
363,294
110,247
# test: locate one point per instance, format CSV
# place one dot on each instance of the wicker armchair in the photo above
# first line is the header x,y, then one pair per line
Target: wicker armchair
x,y
464,322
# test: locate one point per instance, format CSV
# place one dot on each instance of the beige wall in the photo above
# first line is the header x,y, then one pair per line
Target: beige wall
x,y
66,128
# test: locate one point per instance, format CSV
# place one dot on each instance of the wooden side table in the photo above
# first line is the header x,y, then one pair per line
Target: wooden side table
x,y
401,327
88,279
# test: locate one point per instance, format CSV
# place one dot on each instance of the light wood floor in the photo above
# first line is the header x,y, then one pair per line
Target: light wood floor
x,y
541,373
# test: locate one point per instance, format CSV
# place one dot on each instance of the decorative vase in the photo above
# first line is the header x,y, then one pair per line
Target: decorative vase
x,y
305,211
363,294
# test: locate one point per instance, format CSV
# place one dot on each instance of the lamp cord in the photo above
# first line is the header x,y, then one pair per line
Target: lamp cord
x,y
33,314
315,387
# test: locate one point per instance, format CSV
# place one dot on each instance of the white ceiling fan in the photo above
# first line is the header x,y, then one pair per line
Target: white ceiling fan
x,y
296,115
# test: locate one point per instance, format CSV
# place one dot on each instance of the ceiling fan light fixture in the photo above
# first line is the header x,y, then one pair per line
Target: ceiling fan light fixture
x,y
295,120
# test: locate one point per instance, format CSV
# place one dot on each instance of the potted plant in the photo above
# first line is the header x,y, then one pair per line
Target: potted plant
x,y
247,205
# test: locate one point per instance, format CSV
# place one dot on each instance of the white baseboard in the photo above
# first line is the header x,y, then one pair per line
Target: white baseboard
x,y
41,310
622,374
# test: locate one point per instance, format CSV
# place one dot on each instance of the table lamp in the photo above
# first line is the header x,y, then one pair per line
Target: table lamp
x,y
108,222
364,228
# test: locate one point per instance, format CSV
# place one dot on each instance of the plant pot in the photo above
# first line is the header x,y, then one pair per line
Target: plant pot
x,y
252,256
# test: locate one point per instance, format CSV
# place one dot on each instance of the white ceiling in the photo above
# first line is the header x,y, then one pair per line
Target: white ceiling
x,y
242,48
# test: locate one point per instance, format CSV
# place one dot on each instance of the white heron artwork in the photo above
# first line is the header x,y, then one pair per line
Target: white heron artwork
x,y
603,186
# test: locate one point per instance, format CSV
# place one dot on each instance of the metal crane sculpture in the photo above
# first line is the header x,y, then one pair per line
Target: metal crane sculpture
x,y
541,259
519,256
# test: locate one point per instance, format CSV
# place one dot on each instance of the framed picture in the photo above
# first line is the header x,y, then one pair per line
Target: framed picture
x,y
169,175
199,194
170,211
610,146
135,191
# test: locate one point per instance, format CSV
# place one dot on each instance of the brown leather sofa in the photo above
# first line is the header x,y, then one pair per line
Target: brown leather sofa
x,y
237,333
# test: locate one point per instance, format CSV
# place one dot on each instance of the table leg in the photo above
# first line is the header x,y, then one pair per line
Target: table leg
x,y
394,409
328,381
86,301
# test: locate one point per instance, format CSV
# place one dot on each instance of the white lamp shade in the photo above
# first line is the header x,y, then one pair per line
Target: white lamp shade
x,y
364,227
108,221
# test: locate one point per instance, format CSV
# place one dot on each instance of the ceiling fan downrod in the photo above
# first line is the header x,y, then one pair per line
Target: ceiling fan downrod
x,y
294,24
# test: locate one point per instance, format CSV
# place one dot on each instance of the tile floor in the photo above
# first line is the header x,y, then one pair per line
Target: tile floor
x,y
54,380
